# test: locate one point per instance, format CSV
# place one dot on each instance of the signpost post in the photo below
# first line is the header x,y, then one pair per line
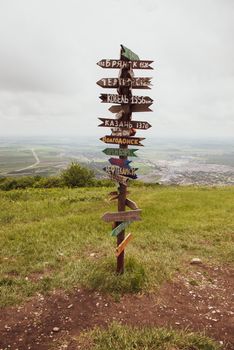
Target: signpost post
x,y
123,130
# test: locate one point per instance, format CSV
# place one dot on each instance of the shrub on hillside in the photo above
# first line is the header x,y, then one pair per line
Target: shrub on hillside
x,y
13,183
49,182
77,176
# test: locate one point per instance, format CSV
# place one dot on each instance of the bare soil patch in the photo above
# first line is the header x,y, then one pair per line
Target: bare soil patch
x,y
200,301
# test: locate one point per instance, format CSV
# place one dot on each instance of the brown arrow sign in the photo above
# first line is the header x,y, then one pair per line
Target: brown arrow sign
x,y
117,123
135,83
121,179
123,99
132,205
134,108
131,141
132,215
124,64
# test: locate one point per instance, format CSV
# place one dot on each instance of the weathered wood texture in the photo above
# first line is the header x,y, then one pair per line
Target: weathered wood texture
x,y
135,83
131,141
118,123
123,99
132,205
132,215
119,64
134,108
120,152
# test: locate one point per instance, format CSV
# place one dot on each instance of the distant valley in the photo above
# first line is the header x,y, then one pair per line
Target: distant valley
x,y
164,161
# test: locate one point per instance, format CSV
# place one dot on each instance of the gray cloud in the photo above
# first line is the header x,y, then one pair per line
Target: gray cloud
x,y
49,50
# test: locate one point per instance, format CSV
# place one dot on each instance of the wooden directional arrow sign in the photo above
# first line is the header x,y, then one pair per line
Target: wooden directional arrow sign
x,y
121,179
135,83
132,215
118,123
134,108
131,141
123,163
132,205
121,171
123,244
120,228
120,152
125,64
123,99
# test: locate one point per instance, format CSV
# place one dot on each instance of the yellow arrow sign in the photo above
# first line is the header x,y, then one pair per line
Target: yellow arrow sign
x,y
123,244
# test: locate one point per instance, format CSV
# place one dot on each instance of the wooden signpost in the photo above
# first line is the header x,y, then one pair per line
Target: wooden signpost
x,y
123,129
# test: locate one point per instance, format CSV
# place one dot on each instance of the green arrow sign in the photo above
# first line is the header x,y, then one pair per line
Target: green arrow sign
x,y
120,228
129,54
120,152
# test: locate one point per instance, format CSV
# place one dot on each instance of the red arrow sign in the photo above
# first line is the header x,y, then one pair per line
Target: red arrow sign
x,y
124,64
135,83
123,163
134,108
123,99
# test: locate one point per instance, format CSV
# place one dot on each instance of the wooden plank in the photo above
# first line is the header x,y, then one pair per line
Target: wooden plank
x,y
123,244
119,64
114,198
118,123
131,141
123,163
134,108
120,179
123,99
113,170
122,132
132,205
132,215
135,83
120,152
117,230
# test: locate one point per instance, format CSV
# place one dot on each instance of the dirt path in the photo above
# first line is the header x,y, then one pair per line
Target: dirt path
x,y
32,165
201,301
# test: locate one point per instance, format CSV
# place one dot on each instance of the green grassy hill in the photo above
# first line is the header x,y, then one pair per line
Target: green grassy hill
x,y
55,238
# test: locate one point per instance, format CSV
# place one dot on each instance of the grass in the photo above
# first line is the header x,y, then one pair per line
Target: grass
x,y
54,238
118,337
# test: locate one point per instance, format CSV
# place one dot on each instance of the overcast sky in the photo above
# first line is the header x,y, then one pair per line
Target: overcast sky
x,y
48,71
